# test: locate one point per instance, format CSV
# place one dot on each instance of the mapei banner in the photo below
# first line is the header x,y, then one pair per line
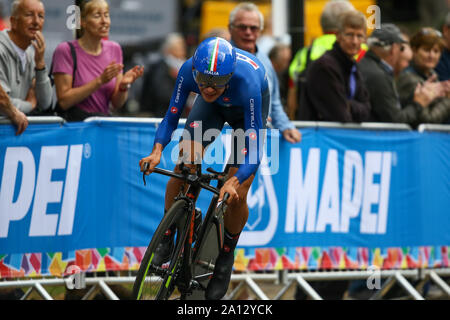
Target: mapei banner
x,y
78,185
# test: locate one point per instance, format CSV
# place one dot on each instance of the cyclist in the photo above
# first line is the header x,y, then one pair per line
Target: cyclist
x,y
233,88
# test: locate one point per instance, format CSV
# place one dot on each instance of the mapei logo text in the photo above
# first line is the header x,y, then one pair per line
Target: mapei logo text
x,y
364,195
23,188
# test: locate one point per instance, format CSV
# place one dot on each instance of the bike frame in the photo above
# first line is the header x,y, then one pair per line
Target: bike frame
x,y
186,281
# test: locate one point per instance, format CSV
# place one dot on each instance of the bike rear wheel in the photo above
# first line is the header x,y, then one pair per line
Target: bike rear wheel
x,y
155,282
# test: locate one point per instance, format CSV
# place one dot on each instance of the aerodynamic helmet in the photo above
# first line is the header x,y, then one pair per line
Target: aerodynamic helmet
x,y
214,62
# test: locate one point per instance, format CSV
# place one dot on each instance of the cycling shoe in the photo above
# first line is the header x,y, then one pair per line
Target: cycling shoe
x,y
218,285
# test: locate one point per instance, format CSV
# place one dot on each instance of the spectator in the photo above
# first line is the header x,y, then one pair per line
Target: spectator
x,y
161,75
302,59
443,67
377,69
245,24
99,81
266,40
17,117
280,57
23,74
427,46
217,32
335,90
405,58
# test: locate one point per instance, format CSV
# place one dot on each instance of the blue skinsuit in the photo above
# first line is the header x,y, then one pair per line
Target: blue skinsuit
x,y
246,96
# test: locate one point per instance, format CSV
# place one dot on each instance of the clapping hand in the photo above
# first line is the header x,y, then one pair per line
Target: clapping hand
x,y
131,75
446,88
111,71
439,89
425,93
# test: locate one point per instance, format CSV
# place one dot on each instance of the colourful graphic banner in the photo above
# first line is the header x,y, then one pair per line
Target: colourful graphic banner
x,y
258,259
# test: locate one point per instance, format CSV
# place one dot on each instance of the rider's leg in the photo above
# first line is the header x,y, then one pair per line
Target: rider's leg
x,y
235,219
237,212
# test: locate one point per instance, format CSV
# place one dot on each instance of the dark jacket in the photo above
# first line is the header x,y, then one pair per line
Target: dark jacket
x,y
443,67
438,111
384,99
157,89
327,90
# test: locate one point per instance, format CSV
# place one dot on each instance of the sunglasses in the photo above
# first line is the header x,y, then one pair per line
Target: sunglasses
x,y
429,31
207,80
243,27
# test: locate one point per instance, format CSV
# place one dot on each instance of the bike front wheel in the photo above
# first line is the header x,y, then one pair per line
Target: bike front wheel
x,y
156,282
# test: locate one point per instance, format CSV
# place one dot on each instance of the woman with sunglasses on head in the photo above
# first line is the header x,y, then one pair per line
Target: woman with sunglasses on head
x,y
98,81
427,46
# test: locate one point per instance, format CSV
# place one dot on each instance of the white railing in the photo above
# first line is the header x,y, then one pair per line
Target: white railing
x,y
256,283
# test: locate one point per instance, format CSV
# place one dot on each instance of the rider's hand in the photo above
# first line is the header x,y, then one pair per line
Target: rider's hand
x,y
230,186
153,159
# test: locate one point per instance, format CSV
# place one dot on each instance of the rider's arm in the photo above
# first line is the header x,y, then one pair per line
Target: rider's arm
x,y
157,148
254,135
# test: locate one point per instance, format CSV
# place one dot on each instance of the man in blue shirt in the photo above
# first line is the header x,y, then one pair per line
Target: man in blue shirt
x,y
245,25
233,88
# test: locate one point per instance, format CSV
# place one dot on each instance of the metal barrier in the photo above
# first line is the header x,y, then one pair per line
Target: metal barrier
x,y
126,119
297,124
280,283
434,127
37,120
351,125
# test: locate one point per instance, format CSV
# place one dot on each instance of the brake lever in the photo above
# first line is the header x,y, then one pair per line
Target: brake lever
x,y
143,173
224,200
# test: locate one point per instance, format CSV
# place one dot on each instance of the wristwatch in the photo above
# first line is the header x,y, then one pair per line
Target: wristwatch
x,y
128,86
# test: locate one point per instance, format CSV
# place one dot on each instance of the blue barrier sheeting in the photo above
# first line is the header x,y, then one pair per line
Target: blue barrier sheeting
x,y
78,185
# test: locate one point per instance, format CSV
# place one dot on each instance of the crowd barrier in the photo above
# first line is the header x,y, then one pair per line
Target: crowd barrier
x,y
349,196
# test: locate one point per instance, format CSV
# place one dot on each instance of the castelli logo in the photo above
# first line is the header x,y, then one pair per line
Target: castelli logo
x,y
174,110
194,125
244,151
226,99
252,136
